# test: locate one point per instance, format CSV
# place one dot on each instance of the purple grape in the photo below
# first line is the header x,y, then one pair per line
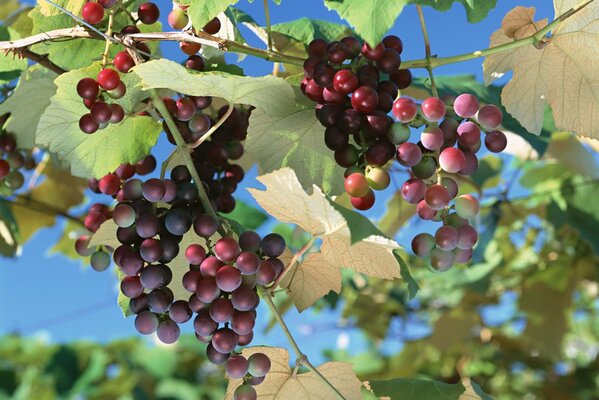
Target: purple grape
x,y
153,276
150,250
224,340
226,249
413,190
221,310
180,312
244,299
215,356
203,324
168,332
159,300
237,366
153,190
266,273
446,237
210,266
465,105
247,262
259,364
146,322
228,278
131,286
205,225
243,323
123,215
207,290
408,154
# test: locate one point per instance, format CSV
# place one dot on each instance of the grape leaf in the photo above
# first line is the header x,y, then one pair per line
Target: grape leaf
x,y
370,19
305,30
313,279
59,191
295,140
562,74
27,103
567,149
8,7
412,389
269,94
201,12
247,216
286,200
11,65
282,383
476,10
65,245
102,152
9,231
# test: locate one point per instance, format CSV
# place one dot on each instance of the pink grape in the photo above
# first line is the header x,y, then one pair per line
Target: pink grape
x,y
465,105
467,237
489,116
409,154
446,237
413,190
433,109
424,211
462,256
452,160
468,134
432,138
436,197
405,109
441,260
470,163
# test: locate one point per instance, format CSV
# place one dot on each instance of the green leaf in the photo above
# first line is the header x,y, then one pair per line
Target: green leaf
x,y
359,226
9,231
27,103
370,19
454,85
476,10
97,154
247,216
419,389
11,65
65,245
294,140
489,167
269,94
306,29
413,287
201,12
397,213
580,213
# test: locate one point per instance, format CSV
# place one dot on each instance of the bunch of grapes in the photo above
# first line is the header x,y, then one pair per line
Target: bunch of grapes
x,y
100,255
12,161
178,19
355,86
112,184
435,161
212,158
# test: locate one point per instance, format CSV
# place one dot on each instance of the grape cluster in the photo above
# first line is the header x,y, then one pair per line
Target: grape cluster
x,y
100,255
12,161
93,91
222,276
447,148
93,12
178,19
355,86
212,158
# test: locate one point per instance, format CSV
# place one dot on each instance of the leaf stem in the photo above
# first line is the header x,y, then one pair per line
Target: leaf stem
x,y
302,358
213,128
292,262
108,42
427,50
268,32
39,206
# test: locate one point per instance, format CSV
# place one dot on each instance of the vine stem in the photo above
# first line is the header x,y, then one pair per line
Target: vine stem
x,y
293,261
301,357
183,150
427,51
269,55
268,32
108,42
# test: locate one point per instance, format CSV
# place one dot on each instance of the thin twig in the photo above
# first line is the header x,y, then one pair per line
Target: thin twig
x,y
39,206
427,51
42,60
301,357
213,128
268,32
108,42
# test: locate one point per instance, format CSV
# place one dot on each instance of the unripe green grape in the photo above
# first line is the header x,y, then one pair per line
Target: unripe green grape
x,y
425,168
467,206
5,190
100,260
378,178
398,133
245,392
259,364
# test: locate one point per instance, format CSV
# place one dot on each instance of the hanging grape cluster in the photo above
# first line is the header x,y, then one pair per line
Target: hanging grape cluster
x,y
355,86
447,149
12,162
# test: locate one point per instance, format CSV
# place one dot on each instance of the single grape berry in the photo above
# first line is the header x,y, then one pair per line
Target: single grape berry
x,y
345,81
212,27
88,124
87,88
237,367
365,202
409,154
92,13
148,13
423,244
467,206
465,105
226,249
259,364
436,197
495,141
123,61
245,392
405,109
108,78
378,178
489,116
273,245
433,109
177,18
452,160
365,99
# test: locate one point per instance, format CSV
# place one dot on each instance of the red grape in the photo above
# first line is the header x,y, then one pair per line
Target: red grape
x,y
433,109
465,105
92,13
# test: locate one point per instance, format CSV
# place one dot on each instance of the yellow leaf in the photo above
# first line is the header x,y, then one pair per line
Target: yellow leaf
x,y
285,200
281,384
561,74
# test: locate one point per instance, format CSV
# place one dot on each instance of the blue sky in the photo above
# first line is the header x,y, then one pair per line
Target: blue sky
x,y
42,294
